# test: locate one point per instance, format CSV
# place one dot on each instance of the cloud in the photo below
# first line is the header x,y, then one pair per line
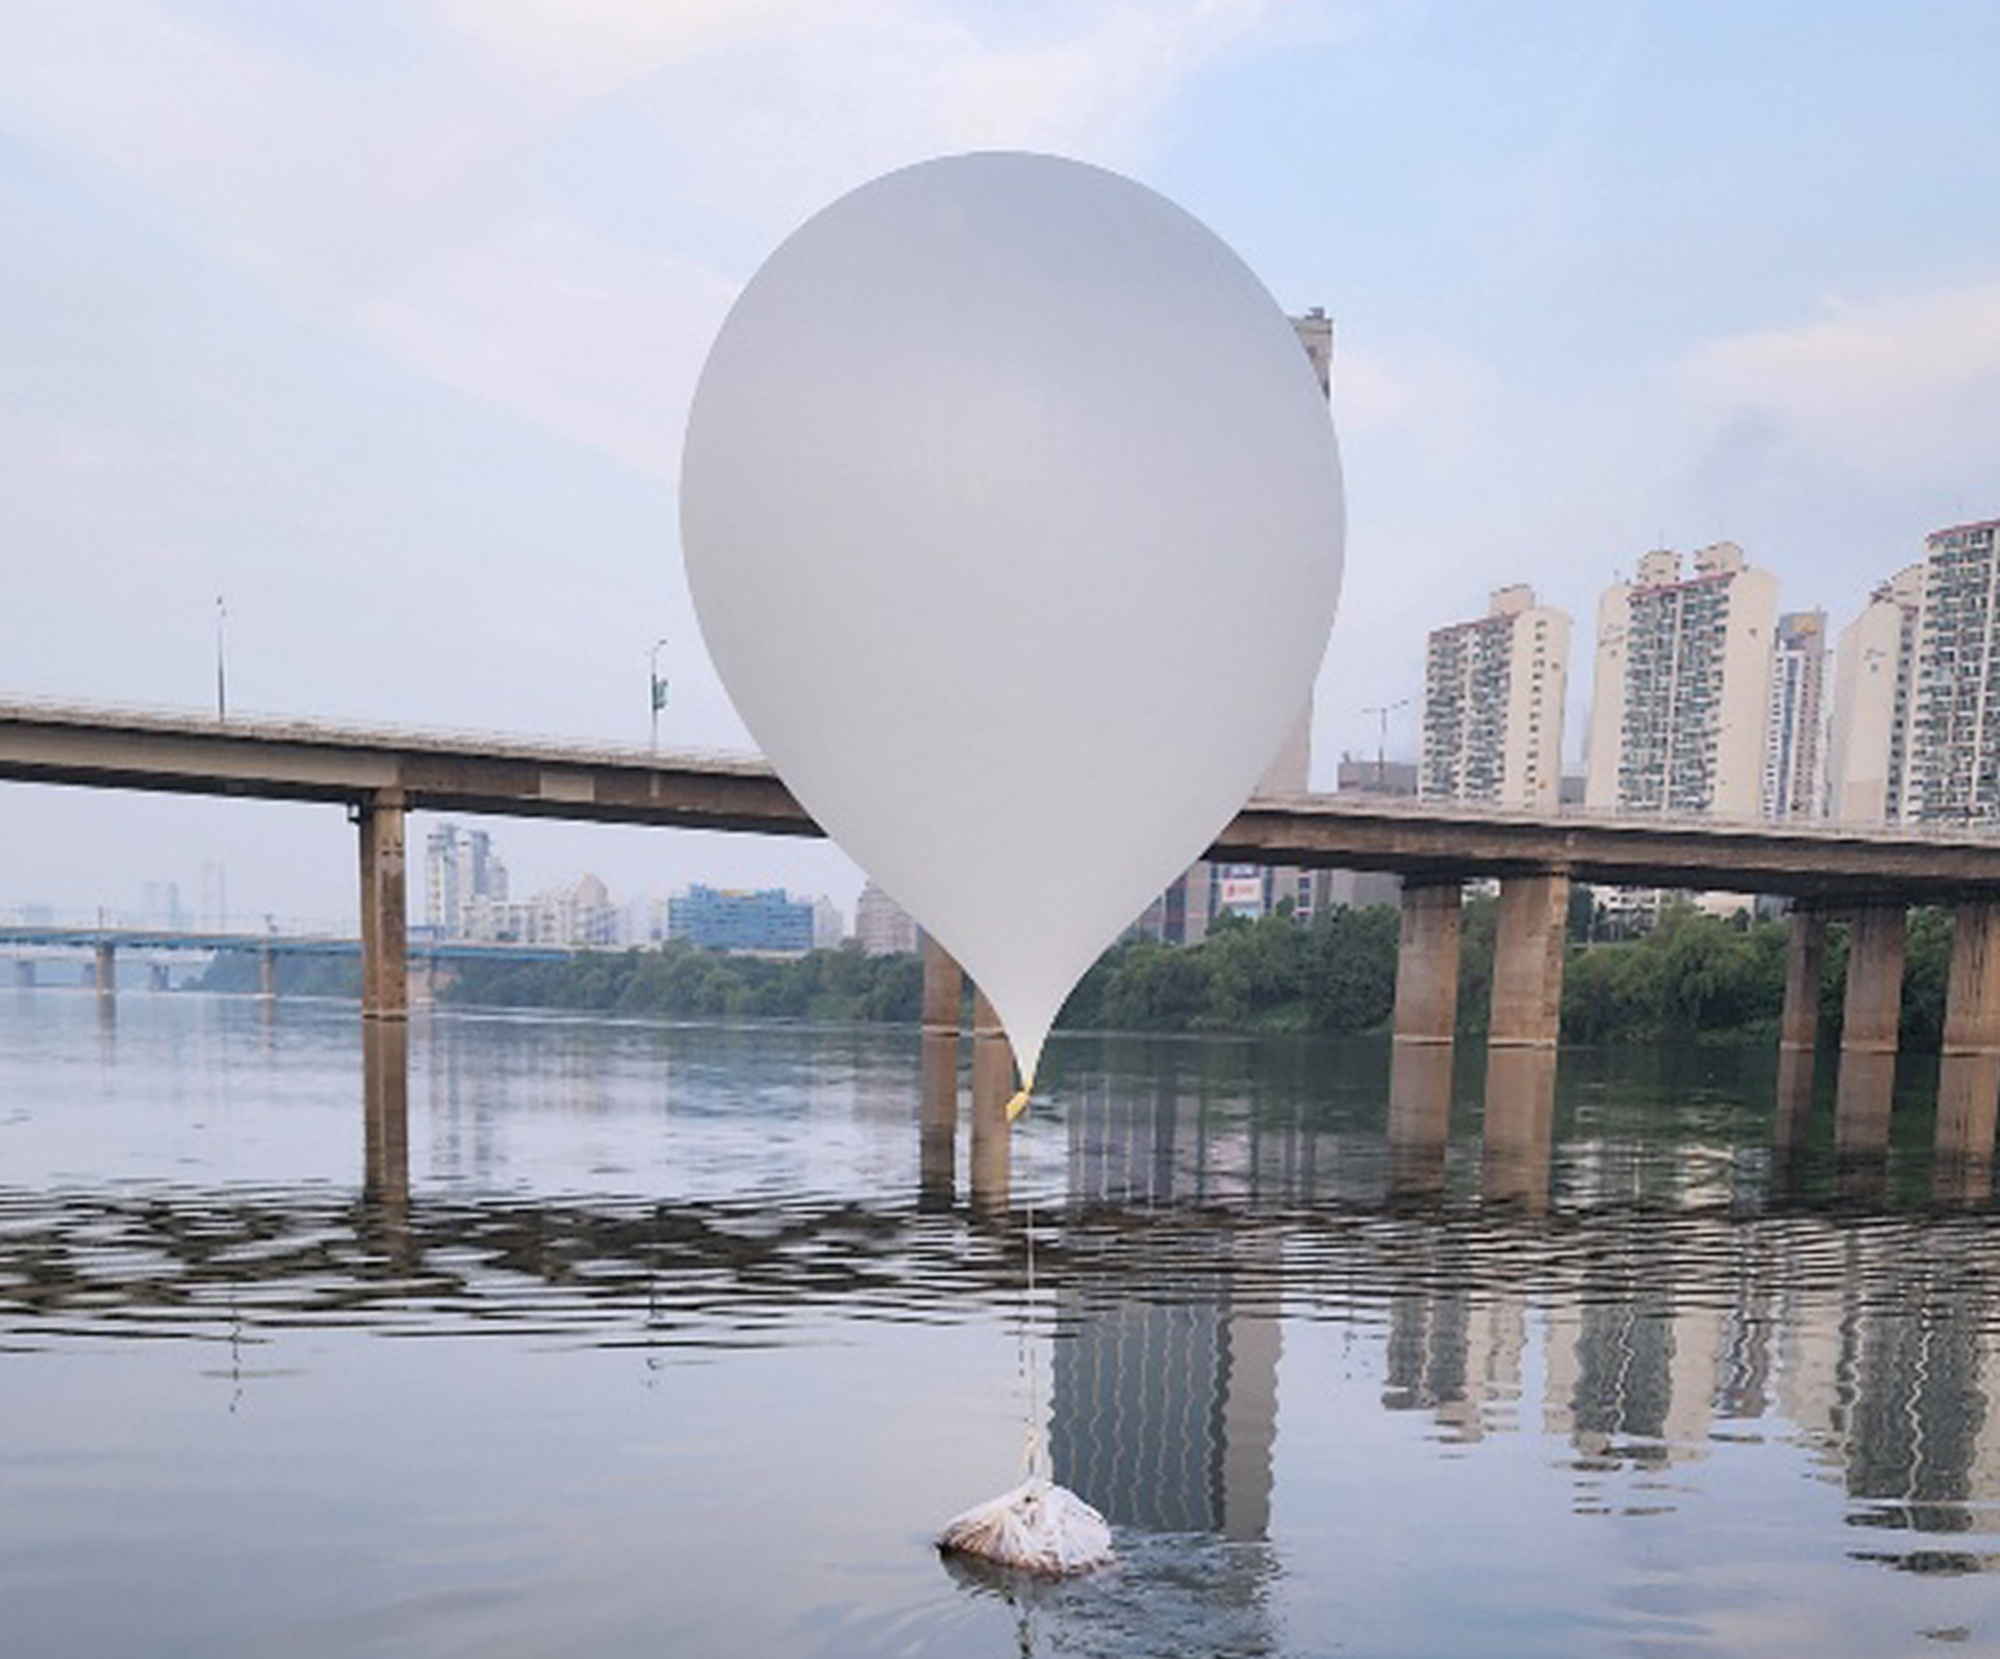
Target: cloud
x,y
1898,386
1410,388
420,212
543,317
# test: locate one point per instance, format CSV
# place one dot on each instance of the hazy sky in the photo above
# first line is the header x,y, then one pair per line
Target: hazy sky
x,y
380,318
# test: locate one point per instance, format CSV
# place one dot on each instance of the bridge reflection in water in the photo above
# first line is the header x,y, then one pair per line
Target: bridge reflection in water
x,y
1641,1303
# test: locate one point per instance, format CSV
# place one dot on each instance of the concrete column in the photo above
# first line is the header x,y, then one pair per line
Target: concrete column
x,y
1969,1070
1972,993
944,988
267,971
1427,962
385,968
107,968
1528,948
992,1088
1798,1026
1873,1010
1968,1090
1420,1064
1526,1018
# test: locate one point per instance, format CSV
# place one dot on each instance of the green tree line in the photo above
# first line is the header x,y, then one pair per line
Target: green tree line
x,y
1694,975
679,981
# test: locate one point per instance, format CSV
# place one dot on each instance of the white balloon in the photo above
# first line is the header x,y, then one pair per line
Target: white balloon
x,y
1012,514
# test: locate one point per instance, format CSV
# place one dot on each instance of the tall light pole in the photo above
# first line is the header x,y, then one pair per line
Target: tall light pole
x,y
1382,740
221,681
657,691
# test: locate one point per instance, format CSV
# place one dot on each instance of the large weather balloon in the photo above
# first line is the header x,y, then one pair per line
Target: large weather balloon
x,y
1012,515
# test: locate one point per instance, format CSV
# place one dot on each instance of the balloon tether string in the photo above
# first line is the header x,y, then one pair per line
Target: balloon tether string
x,y
1033,1459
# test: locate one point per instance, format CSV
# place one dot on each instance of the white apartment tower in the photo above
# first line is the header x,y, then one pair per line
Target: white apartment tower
x,y
1795,719
1682,686
1953,774
1874,691
460,869
1494,690
883,926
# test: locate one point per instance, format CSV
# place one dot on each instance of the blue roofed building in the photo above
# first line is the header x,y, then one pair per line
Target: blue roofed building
x,y
768,921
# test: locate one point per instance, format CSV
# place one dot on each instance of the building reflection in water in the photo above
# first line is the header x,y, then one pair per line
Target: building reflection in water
x,y
1653,1323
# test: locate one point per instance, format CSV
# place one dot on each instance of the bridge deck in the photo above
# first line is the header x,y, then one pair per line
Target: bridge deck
x,y
311,761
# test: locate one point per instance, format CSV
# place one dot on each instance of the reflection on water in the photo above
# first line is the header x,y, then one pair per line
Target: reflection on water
x,y
1622,1370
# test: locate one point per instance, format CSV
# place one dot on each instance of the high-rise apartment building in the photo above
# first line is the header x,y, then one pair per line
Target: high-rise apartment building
x,y
1874,692
1794,722
1682,687
1494,690
1953,773
460,870
882,925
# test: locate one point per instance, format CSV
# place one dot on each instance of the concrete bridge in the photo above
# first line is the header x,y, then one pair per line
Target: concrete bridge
x,y
1871,874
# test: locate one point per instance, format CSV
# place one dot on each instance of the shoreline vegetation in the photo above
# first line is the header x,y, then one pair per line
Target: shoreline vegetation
x,y
1692,977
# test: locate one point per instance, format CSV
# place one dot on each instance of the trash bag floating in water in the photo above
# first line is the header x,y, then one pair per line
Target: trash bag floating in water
x,y
1039,1527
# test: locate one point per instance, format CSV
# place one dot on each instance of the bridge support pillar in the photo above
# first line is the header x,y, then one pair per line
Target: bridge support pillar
x,y
1798,1025
1420,1065
1528,947
944,989
1873,1011
267,972
107,968
992,1088
1969,1071
937,1121
24,974
1526,1018
385,965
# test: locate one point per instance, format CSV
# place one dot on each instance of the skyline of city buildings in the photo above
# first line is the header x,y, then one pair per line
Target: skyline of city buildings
x,y
466,889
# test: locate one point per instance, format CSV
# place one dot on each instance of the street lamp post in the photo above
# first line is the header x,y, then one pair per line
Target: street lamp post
x,y
657,692
221,685
1382,741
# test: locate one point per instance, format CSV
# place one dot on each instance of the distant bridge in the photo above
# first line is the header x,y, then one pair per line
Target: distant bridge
x,y
104,942
114,936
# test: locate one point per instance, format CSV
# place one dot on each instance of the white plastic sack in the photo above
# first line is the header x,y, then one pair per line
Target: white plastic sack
x,y
1039,1527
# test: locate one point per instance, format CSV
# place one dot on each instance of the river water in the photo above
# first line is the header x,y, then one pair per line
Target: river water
x,y
672,1344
